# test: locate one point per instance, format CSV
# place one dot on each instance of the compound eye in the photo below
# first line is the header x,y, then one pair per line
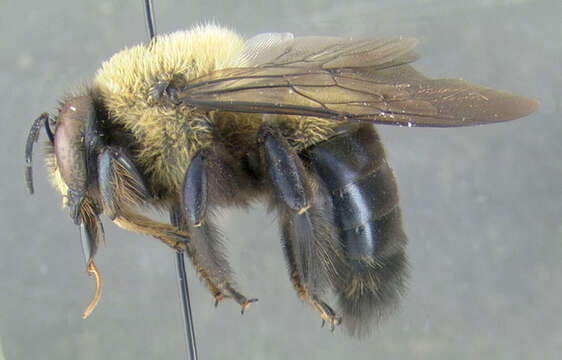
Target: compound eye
x,y
69,146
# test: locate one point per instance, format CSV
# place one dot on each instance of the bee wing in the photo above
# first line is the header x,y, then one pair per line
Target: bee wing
x,y
282,49
355,80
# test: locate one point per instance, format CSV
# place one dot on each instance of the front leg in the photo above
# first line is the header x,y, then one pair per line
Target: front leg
x,y
122,188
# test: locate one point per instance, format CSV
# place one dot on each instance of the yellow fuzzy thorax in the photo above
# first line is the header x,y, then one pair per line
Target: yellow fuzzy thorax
x,y
126,83
187,54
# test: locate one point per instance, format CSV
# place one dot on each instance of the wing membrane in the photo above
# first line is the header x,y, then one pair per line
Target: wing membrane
x,y
275,49
349,95
359,80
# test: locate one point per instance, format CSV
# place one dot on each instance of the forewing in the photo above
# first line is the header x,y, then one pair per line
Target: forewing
x,y
392,95
345,79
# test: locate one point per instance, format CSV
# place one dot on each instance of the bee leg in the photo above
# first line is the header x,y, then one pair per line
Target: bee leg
x,y
307,233
363,195
168,234
211,179
178,219
121,187
327,314
191,251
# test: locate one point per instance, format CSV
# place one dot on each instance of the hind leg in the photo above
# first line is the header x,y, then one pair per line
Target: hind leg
x,y
364,198
307,233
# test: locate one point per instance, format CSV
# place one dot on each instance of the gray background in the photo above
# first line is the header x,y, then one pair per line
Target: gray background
x,y
482,206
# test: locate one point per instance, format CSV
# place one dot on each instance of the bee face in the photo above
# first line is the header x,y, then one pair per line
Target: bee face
x,y
69,144
248,285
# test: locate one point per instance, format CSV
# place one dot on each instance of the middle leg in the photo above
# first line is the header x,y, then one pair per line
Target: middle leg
x,y
212,179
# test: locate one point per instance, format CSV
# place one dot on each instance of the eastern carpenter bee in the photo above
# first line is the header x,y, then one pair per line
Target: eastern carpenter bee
x,y
202,119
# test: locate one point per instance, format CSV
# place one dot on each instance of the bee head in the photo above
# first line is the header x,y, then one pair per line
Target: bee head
x,y
71,159
70,147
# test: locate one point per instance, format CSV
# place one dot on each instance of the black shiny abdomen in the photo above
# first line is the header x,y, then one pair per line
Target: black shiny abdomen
x,y
362,188
363,196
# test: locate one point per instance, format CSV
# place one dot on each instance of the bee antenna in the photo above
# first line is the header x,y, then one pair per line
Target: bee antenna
x,y
180,261
32,137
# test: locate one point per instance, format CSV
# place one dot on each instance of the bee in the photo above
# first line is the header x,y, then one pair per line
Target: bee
x,y
200,120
